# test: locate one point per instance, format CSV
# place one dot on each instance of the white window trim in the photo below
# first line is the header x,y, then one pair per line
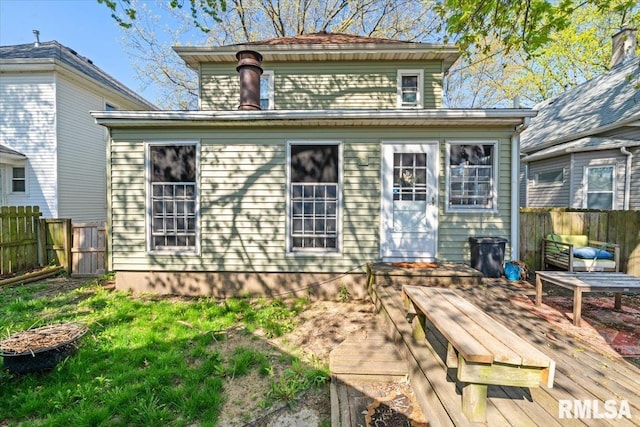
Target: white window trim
x,y
148,222
270,75
585,183
537,182
420,94
340,214
496,184
10,179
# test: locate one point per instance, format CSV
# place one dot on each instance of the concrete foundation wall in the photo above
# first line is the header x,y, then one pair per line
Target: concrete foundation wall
x,y
322,286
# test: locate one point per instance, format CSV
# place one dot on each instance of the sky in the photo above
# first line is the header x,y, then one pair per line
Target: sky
x,y
82,25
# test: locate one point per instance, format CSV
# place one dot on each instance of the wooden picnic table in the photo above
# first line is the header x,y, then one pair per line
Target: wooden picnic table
x,y
483,351
585,282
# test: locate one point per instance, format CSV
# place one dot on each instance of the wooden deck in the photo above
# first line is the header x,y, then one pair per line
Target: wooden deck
x,y
584,373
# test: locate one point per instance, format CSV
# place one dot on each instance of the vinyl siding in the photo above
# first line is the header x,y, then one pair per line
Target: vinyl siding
x,y
549,195
334,85
27,109
634,199
81,154
242,194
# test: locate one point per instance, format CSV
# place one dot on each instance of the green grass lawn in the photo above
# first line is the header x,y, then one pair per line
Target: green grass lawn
x,y
146,360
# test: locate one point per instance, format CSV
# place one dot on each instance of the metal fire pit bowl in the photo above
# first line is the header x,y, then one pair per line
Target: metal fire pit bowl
x,y
41,348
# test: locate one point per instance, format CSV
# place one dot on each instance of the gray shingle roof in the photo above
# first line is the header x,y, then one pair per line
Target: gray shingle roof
x,y
606,101
69,57
8,151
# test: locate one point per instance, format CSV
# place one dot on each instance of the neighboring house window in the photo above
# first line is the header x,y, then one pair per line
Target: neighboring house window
x,y
600,184
173,197
471,176
314,197
267,90
109,107
550,177
18,180
410,88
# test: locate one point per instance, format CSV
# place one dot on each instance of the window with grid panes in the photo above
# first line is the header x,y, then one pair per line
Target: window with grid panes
x,y
173,194
470,176
314,198
410,176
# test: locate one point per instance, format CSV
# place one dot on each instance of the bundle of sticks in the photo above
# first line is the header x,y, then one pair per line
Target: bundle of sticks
x,y
43,338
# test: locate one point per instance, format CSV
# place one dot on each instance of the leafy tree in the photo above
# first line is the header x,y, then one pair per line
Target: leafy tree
x,y
524,25
534,49
495,75
157,26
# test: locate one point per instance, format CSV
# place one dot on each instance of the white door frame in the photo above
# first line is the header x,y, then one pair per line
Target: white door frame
x,y
421,242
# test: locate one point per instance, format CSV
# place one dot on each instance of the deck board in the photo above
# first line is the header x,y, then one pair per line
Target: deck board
x,y
582,371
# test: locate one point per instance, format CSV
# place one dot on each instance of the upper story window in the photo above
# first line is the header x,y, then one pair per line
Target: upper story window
x,y
19,180
471,176
600,187
172,197
109,107
314,197
267,90
410,88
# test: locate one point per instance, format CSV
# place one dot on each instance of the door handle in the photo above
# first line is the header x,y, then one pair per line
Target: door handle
x,y
433,200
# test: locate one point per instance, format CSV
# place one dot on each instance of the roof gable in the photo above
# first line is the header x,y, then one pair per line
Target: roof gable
x,y
29,53
603,103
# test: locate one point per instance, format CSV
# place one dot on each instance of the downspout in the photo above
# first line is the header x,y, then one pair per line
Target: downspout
x,y
515,186
627,177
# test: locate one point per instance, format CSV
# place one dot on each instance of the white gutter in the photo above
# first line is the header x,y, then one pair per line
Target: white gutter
x,y
627,177
444,117
515,189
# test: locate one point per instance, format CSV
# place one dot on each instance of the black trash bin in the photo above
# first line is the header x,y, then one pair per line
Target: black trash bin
x,y
487,255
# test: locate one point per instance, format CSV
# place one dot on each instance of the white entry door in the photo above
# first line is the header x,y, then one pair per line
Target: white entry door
x,y
409,218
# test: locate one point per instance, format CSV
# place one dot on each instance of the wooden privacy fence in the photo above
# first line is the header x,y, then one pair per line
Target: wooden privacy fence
x,y
19,238
28,241
621,227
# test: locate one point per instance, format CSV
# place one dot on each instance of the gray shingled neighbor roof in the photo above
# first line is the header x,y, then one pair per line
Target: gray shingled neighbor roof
x,y
8,151
607,101
56,51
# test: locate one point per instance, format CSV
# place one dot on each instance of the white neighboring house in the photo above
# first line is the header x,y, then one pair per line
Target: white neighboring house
x,y
52,153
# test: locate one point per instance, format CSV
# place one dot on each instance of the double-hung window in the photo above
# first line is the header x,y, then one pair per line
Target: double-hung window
x,y
173,197
410,88
18,180
314,197
600,186
471,176
267,90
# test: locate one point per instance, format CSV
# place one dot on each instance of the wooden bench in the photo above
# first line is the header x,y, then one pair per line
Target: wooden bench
x,y
560,251
484,351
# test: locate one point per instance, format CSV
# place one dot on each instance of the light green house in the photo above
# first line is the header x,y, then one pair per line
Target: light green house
x,y
351,159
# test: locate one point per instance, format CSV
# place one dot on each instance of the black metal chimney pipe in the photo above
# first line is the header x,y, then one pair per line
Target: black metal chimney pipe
x,y
250,69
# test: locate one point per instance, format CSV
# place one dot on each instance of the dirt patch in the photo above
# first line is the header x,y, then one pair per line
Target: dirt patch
x,y
321,327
